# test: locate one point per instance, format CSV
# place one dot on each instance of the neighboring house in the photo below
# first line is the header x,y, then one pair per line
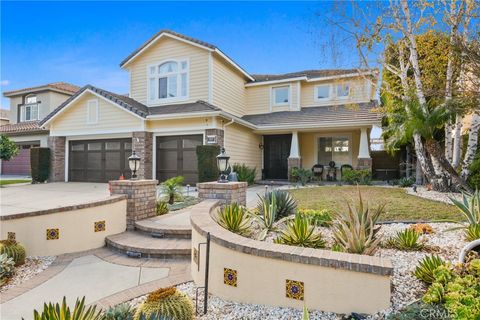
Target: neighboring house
x,y
4,117
28,107
185,92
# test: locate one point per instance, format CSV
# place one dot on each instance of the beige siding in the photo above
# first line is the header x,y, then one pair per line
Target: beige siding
x,y
49,100
164,49
360,92
54,100
242,146
259,99
111,118
228,88
14,102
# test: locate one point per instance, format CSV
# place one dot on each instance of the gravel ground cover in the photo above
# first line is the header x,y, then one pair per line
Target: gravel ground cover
x,y
406,288
32,267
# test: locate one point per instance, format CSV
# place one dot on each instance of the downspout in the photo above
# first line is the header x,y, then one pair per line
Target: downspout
x,y
225,131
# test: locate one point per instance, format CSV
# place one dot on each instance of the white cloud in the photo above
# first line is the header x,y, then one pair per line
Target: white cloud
x,y
4,83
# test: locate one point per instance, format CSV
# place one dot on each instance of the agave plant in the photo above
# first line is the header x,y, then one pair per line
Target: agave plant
x,y
300,232
426,267
267,216
354,230
286,204
62,312
235,218
407,239
472,232
470,208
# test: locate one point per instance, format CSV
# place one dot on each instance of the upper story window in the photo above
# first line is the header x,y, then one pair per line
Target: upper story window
x,y
281,96
168,81
322,92
29,110
343,91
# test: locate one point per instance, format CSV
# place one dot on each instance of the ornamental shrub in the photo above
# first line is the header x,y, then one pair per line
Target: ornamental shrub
x,y
14,250
39,164
319,218
245,173
8,148
474,178
119,312
234,218
285,203
161,208
169,303
363,177
207,163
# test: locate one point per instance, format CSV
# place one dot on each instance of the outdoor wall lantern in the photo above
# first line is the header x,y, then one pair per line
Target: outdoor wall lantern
x,y
134,164
222,164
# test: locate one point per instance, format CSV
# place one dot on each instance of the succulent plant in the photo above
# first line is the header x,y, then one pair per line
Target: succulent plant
x,y
354,231
300,232
470,208
286,204
317,217
422,228
234,218
161,208
62,312
472,232
407,239
119,312
14,250
6,267
169,303
426,267
267,216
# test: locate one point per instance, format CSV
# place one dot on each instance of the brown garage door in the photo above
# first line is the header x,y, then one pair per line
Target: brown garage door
x,y
99,160
177,156
20,164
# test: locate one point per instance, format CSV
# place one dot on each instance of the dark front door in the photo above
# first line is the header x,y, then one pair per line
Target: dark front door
x,y
99,160
276,151
177,156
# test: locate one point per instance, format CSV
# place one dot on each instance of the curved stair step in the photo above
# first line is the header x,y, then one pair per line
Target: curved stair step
x,y
149,247
154,228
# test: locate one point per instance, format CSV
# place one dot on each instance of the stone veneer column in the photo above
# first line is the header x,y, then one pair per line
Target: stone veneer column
x,y
142,143
364,164
364,160
141,198
218,133
293,163
57,158
224,192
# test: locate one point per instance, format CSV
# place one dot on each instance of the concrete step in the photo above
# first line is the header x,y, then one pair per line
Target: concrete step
x,y
156,227
138,244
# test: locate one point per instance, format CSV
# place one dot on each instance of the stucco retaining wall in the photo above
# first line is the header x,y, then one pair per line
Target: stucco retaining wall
x,y
265,273
69,229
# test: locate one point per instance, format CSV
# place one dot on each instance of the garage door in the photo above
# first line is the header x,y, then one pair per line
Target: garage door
x,y
177,156
99,160
20,164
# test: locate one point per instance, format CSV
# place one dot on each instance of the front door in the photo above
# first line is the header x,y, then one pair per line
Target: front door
x,y
275,155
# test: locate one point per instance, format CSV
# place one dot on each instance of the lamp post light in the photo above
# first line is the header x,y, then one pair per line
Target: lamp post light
x,y
134,164
222,164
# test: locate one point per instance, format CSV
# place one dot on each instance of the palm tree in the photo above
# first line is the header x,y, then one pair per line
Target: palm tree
x,y
172,188
429,124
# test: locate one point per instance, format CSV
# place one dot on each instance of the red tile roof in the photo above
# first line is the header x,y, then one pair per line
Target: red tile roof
x,y
61,86
22,128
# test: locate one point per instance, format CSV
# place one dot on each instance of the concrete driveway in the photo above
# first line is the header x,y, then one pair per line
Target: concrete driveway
x,y
34,197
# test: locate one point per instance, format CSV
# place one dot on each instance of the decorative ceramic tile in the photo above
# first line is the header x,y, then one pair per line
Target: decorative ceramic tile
x,y
11,236
195,256
294,289
230,277
99,226
53,234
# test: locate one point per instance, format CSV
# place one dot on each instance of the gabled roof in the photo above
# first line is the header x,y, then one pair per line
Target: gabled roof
x,y
21,128
187,39
309,74
55,86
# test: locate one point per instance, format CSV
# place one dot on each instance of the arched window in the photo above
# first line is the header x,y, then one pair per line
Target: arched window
x,y
168,81
29,110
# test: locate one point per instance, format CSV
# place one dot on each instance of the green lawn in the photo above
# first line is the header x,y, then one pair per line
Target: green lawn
x,y
5,182
399,205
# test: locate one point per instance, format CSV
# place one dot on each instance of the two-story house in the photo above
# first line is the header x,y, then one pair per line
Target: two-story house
x,y
27,107
185,92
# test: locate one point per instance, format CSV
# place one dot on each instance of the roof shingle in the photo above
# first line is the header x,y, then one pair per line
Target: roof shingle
x,y
310,74
28,127
62,86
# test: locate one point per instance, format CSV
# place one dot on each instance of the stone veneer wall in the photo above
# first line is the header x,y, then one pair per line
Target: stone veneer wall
x,y
226,193
364,163
142,143
219,133
57,159
258,272
293,163
141,198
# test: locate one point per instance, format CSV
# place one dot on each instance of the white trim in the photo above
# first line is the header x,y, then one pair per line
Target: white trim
x,y
283,104
333,135
330,92
99,131
348,75
328,125
224,56
183,115
299,92
263,83
210,78
157,76
95,101
100,136
96,94
67,153
39,89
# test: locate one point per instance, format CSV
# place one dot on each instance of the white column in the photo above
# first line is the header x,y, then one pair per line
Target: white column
x,y
363,151
294,149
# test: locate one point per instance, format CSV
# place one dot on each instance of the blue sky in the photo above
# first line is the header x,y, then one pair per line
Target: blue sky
x,y
84,42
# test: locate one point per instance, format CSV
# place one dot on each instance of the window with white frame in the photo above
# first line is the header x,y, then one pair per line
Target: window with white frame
x,y
343,90
322,92
281,96
29,110
334,149
92,111
168,81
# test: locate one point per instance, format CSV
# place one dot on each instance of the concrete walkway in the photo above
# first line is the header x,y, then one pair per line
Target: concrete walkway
x,y
104,278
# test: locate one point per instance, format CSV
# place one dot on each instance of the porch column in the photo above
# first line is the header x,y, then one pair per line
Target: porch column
x,y
294,160
57,147
364,160
142,143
